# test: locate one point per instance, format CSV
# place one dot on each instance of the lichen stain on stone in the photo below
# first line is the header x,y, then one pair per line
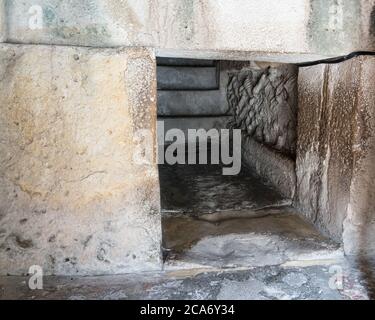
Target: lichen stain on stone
x,y
93,32
124,14
49,16
56,18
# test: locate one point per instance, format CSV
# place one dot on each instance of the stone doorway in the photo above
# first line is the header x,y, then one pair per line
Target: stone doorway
x,y
211,220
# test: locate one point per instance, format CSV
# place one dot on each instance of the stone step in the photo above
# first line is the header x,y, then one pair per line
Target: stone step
x,y
268,237
185,62
187,78
192,103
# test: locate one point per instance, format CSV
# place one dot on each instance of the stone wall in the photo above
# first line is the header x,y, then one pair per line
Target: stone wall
x,y
263,100
264,104
335,154
276,169
72,199
359,223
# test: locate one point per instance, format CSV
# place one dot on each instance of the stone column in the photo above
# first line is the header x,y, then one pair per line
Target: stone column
x,y
336,151
72,198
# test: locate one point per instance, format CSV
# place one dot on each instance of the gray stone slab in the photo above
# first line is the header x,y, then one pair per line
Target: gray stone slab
x,y
161,61
188,103
187,78
275,168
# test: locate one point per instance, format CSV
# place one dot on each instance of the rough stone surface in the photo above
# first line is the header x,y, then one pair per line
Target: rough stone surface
x,y
275,168
72,199
300,29
264,104
335,155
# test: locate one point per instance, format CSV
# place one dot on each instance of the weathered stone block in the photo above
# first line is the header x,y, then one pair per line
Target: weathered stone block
x,y
275,168
194,103
187,78
335,154
341,26
291,30
359,223
72,199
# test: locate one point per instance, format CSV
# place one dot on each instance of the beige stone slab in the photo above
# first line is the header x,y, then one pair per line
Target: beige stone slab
x,y
72,198
281,31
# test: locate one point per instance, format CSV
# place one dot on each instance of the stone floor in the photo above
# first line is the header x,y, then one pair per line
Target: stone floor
x,y
224,238
263,238
200,189
211,220
260,283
